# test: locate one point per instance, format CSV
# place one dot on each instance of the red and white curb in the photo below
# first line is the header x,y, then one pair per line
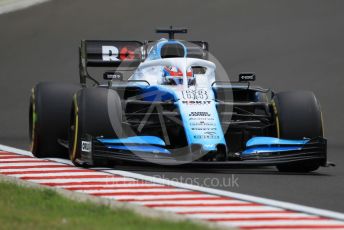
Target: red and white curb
x,y
222,207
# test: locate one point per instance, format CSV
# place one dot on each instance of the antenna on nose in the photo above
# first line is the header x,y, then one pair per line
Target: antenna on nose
x,y
171,31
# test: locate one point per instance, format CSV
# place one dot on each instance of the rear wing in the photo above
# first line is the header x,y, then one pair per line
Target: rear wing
x,y
97,53
124,54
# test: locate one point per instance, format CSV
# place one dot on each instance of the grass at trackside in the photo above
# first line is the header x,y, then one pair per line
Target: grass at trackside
x,y
28,208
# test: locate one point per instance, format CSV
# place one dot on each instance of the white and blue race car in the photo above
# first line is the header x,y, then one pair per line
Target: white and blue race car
x,y
164,102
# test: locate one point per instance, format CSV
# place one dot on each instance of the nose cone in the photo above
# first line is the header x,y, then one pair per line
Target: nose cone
x,y
200,118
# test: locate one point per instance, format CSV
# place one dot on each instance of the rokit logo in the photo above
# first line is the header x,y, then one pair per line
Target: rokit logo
x,y
112,53
196,102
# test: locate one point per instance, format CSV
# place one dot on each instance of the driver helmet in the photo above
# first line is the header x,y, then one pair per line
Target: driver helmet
x,y
174,76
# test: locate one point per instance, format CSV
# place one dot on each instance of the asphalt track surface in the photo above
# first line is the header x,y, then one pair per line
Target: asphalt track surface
x,y
289,44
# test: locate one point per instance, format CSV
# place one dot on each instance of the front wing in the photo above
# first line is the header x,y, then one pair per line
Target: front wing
x,y
154,153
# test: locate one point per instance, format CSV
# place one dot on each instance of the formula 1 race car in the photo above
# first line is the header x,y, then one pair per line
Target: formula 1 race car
x,y
163,102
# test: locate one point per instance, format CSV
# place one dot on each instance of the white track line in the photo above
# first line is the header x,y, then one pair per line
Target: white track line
x,y
4,155
273,203
19,159
15,150
63,161
13,5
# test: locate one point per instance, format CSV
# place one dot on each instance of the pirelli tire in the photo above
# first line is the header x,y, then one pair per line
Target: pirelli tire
x,y
49,113
95,112
298,115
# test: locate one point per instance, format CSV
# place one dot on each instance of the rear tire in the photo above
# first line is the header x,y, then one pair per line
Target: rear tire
x,y
49,114
298,116
95,112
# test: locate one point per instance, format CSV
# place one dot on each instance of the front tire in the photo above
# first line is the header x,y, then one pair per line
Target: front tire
x,y
298,116
95,112
49,114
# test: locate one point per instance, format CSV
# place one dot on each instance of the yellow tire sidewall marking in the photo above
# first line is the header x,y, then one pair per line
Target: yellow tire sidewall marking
x,y
76,128
276,119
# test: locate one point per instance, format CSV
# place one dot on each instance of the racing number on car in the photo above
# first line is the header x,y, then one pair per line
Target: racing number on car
x,y
188,94
201,95
195,94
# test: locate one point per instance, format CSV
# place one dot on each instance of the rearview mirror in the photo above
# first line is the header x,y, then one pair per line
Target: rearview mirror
x,y
243,77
